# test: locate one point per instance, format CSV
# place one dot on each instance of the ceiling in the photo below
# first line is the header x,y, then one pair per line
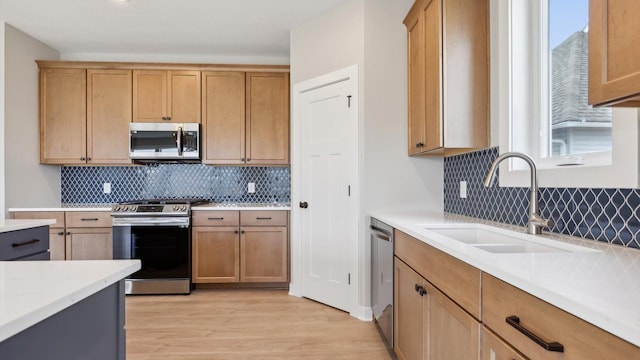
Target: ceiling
x,y
240,28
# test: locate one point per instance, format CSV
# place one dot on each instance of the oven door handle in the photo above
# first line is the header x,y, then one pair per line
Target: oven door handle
x,y
150,221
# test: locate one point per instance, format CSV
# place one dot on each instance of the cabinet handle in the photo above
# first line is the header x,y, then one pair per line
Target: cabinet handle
x,y
215,218
420,290
419,145
168,117
29,242
69,233
243,159
164,118
61,233
89,219
248,159
236,232
241,231
263,218
83,158
514,321
88,159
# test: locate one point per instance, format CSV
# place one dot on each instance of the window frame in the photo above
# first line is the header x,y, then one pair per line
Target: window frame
x,y
523,97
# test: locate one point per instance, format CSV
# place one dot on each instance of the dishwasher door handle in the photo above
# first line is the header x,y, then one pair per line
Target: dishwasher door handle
x,y
381,233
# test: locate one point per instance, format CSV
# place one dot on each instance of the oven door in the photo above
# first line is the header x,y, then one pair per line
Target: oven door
x,y
164,251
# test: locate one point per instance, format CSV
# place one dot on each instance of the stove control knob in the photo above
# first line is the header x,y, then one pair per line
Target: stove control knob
x,y
116,208
176,207
184,208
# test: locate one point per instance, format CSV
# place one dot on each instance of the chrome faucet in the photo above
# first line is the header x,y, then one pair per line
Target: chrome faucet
x,y
536,222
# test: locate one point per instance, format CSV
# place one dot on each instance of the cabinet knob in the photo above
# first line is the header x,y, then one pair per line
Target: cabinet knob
x,y
419,145
83,158
236,232
168,117
243,159
165,118
248,159
60,233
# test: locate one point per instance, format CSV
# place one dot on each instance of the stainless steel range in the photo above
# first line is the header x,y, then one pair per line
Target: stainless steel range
x,y
158,233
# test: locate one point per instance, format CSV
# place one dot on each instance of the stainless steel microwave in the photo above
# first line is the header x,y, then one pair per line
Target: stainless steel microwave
x,y
164,141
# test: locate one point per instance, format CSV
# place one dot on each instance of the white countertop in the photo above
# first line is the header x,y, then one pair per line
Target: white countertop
x,y
601,287
79,208
211,206
31,291
19,224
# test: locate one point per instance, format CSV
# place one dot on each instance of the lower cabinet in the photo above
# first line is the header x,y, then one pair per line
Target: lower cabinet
x,y
493,348
89,244
240,247
76,235
429,325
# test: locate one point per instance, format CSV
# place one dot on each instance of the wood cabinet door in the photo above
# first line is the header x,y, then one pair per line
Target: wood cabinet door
x,y
109,103
267,118
57,244
223,117
433,137
264,254
216,254
416,79
183,96
150,95
451,333
493,348
409,336
89,244
614,62
63,116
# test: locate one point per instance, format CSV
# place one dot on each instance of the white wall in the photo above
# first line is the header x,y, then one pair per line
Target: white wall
x,y
371,34
27,183
2,162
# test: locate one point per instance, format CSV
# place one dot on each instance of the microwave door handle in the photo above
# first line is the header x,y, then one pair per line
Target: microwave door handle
x,y
179,141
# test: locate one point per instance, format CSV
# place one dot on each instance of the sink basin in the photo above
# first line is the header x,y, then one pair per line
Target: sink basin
x,y
503,241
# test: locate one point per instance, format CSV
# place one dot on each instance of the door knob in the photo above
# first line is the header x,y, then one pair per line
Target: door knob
x,y
304,204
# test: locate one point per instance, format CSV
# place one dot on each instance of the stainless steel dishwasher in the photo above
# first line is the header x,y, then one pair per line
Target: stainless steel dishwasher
x,y
382,277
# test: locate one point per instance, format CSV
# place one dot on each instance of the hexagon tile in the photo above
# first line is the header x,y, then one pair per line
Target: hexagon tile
x,y
609,215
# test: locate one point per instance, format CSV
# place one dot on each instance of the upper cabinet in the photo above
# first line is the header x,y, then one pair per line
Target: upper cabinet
x,y
267,118
448,81
223,118
108,116
86,109
63,116
245,118
84,116
166,96
614,62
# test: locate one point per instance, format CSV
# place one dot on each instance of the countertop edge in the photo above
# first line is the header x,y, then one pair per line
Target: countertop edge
x,y
589,314
8,225
20,324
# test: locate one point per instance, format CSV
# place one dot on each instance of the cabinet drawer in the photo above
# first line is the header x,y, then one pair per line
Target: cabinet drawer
x,y
58,216
263,218
22,243
493,348
580,340
83,219
216,218
459,280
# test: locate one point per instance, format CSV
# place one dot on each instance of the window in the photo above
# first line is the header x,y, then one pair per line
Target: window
x,y
539,99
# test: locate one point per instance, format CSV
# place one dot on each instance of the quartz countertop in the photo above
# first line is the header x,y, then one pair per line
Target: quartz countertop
x,y
7,225
106,207
31,291
601,287
242,206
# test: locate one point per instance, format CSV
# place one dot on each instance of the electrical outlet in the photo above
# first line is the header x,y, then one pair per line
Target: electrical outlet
x,y
463,189
106,188
251,187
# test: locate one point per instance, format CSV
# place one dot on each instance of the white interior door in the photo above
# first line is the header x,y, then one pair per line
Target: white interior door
x,y
329,160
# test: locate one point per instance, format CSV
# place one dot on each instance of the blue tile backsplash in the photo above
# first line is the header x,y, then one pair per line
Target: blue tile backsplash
x,y
609,215
83,184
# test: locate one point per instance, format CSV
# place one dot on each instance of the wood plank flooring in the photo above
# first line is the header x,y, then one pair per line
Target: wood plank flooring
x,y
245,324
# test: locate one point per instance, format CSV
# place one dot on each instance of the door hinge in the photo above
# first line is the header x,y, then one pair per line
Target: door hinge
x,y
349,279
349,100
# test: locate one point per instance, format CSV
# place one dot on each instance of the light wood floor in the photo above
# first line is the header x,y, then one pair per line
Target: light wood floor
x,y
245,324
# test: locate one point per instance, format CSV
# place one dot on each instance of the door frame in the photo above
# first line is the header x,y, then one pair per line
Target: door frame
x,y
356,249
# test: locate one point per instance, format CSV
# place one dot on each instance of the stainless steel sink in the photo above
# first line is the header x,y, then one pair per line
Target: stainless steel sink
x,y
503,241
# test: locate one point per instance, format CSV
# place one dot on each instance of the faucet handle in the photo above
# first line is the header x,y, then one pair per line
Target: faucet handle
x,y
539,221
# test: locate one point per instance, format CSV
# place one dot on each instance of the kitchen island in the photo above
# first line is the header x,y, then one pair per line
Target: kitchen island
x,y
63,309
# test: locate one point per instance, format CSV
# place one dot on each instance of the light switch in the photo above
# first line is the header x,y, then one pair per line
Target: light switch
x,y
463,189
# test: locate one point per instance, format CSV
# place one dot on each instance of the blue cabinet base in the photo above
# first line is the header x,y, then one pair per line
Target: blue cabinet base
x,y
90,329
